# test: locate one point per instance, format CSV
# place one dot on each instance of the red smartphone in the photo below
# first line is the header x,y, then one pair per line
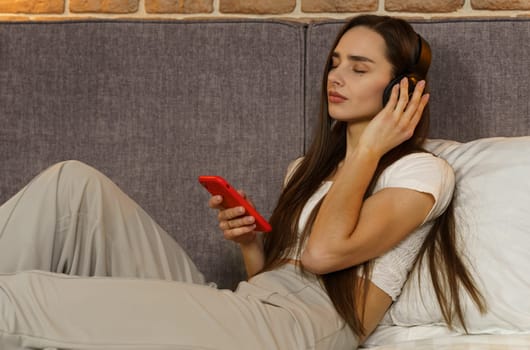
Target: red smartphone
x,y
216,185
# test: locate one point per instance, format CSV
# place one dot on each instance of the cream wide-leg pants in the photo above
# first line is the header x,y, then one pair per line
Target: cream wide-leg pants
x,y
83,267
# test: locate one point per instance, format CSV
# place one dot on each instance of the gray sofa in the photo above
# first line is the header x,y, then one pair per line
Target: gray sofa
x,y
155,104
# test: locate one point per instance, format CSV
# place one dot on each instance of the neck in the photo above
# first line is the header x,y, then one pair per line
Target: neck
x,y
353,133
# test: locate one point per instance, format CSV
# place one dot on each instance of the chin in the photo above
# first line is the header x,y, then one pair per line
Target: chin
x,y
344,116
340,114
350,118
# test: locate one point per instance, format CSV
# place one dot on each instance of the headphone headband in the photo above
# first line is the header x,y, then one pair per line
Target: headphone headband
x,y
423,57
416,72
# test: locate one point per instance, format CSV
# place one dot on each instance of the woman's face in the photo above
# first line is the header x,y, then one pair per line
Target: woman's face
x,y
358,76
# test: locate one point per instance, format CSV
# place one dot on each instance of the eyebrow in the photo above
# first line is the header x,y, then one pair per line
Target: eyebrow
x,y
355,58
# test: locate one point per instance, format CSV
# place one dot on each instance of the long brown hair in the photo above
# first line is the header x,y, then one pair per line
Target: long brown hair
x,y
326,151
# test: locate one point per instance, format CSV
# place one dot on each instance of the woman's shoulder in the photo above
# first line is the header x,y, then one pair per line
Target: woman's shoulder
x,y
421,162
421,170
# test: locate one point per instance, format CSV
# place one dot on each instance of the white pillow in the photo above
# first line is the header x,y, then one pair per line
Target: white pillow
x,y
492,210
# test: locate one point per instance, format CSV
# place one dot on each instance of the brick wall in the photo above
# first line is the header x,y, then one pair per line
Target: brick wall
x,y
295,9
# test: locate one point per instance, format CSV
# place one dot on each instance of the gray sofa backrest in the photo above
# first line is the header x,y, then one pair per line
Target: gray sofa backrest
x,y
155,104
479,77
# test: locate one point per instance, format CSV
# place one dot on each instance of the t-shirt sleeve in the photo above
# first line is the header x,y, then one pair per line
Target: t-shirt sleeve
x,y
422,172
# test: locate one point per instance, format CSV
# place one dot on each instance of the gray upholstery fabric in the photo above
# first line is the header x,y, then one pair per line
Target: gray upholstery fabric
x,y
479,75
153,105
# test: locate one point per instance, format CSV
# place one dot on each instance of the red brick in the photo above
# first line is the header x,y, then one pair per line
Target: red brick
x,y
32,6
257,6
500,4
179,6
104,6
339,5
423,5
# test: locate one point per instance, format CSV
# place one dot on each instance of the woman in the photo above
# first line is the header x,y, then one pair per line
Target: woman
x,y
347,229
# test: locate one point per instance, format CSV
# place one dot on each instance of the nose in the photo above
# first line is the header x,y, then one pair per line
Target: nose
x,y
334,78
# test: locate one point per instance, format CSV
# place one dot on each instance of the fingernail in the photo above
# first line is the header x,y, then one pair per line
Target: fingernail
x,y
421,83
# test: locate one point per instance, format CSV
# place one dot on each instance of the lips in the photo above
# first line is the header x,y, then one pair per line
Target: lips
x,y
335,97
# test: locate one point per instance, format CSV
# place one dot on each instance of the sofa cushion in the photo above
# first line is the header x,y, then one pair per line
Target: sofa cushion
x,y
154,105
492,211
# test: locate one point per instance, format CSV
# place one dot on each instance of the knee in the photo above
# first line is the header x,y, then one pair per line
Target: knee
x,y
76,169
74,173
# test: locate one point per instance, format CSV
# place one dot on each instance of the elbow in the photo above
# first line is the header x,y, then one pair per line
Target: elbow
x,y
332,255
317,260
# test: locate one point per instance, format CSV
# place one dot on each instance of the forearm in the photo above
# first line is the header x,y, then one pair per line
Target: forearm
x,y
253,255
339,213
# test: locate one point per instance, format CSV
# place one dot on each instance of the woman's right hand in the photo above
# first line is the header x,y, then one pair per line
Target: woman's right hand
x,y
396,122
239,228
236,226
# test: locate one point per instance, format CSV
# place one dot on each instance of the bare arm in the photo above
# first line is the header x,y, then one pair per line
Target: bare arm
x,y
341,239
239,228
347,230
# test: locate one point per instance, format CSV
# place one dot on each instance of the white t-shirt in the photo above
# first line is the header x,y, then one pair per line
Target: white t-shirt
x,y
422,172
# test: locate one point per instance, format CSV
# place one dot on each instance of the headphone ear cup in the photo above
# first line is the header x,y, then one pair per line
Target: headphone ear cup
x,y
388,89
413,80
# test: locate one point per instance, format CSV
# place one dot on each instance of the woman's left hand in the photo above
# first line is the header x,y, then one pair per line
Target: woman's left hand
x,y
396,122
